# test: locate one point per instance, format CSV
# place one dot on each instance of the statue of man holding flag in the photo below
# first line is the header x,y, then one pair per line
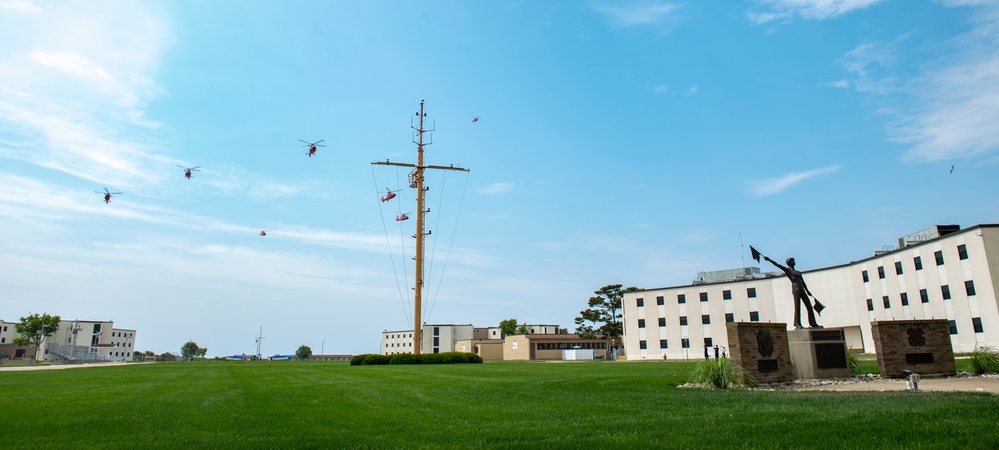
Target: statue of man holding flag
x,y
798,289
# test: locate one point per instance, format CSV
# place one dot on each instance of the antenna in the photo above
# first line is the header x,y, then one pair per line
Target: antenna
x,y
416,180
260,339
742,250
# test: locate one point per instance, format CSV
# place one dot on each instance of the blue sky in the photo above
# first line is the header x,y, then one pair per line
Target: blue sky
x,y
618,142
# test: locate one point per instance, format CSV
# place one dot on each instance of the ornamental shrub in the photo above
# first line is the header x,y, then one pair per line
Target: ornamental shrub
x,y
376,360
357,360
984,360
405,358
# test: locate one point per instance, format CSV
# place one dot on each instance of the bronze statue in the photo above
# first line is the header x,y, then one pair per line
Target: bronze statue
x,y
798,289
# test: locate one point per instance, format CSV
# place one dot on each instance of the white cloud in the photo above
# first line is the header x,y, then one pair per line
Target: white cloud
x,y
71,64
661,89
807,9
771,186
21,6
636,14
955,104
497,188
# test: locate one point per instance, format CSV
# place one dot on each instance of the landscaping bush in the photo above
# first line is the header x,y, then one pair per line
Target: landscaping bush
x,y
405,358
984,360
854,360
719,374
369,359
357,360
376,360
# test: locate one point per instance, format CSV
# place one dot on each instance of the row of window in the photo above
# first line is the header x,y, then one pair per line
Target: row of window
x,y
976,323
569,345
682,298
754,316
962,253
399,336
969,288
664,343
404,344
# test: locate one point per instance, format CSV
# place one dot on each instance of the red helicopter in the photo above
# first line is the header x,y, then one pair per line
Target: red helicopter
x,y
389,195
312,146
475,119
404,216
263,233
188,170
107,195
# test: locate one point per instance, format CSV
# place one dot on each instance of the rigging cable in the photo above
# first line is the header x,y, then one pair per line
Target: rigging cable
x,y
461,203
389,245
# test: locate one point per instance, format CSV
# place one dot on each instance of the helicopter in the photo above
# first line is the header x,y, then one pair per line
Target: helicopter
x,y
389,195
263,233
107,195
404,216
188,170
312,146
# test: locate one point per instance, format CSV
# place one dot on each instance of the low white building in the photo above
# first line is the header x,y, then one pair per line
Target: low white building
x,y
942,272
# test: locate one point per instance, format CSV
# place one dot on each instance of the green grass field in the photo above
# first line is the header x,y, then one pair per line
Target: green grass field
x,y
493,405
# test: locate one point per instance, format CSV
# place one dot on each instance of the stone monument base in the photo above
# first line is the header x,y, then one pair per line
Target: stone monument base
x,y
921,346
819,353
761,350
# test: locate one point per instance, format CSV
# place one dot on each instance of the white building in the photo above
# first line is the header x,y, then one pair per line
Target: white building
x,y
942,272
81,340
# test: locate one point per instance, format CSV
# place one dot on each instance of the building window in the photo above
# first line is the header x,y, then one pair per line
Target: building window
x,y
918,262
641,302
886,302
977,323
754,316
898,267
881,272
953,326
683,321
437,331
726,295
685,343
751,292
663,344
681,298
969,287
660,300
962,252
641,323
437,342
905,299
662,321
945,290
708,342
939,256
706,319
704,296
863,275
642,345
924,296
729,317
870,305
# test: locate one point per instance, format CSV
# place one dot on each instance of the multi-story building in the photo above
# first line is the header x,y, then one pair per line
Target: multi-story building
x,y
942,272
487,342
77,340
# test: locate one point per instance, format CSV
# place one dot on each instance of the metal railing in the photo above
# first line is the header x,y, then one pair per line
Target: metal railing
x,y
76,353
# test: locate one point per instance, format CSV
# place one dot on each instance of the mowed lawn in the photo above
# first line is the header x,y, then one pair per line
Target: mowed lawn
x,y
292,404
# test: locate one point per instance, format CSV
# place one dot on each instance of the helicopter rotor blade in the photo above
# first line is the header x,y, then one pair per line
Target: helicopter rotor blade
x,y
321,140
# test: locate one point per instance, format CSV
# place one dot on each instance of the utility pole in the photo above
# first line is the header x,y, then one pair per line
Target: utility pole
x,y
416,182
260,339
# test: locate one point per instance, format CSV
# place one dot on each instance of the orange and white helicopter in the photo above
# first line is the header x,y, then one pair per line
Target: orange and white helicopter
x,y
312,146
389,195
263,233
404,216
188,170
107,195
475,119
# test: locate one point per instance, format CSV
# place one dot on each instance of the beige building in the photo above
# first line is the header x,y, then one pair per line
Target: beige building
x,y
531,347
78,340
941,272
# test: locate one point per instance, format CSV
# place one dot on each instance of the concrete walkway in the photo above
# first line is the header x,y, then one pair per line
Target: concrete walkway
x,y
961,384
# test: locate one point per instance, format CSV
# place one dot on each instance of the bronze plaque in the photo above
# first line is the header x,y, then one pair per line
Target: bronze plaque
x,y
827,335
919,358
830,356
766,365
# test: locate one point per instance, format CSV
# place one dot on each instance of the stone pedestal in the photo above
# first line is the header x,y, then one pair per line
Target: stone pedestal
x,y
922,346
761,350
819,353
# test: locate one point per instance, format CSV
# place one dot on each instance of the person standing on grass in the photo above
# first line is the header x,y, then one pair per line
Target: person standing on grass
x,y
716,353
724,353
706,356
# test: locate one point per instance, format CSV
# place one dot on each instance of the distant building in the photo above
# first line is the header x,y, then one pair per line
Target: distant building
x,y
76,340
942,272
487,342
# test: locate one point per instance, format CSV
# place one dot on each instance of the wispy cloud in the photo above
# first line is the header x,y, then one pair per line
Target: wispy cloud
x,y
771,186
21,6
636,14
955,104
497,188
808,9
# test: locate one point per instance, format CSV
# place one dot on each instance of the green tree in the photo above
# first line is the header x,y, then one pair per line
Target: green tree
x,y
602,318
303,352
190,349
34,329
522,329
508,327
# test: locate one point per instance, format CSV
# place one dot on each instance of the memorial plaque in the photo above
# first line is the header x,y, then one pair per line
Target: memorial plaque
x,y
827,335
919,358
830,356
767,365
